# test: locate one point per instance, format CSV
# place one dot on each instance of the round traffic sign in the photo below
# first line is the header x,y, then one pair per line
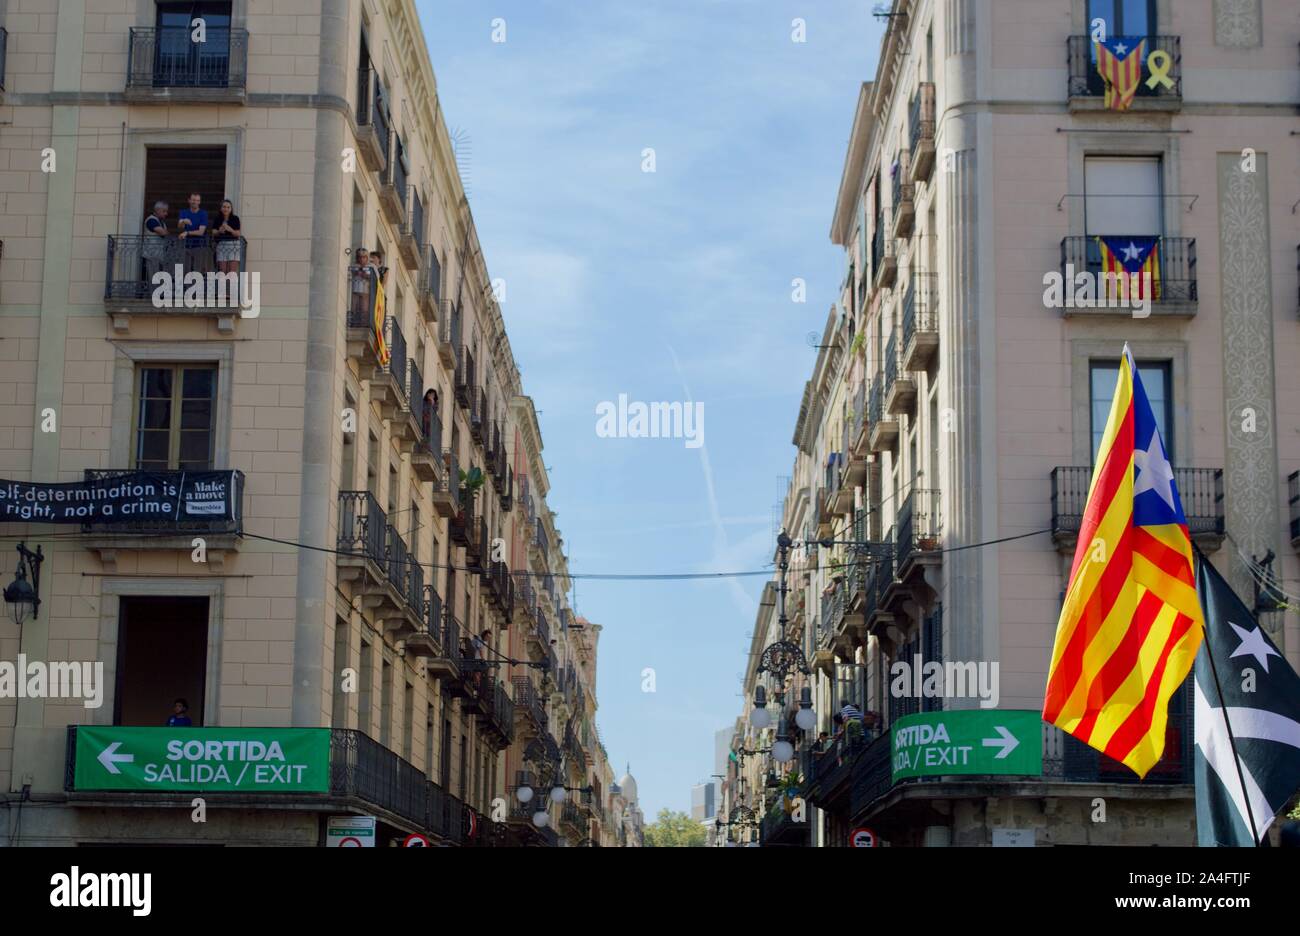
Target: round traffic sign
x,y
862,837
350,842
415,841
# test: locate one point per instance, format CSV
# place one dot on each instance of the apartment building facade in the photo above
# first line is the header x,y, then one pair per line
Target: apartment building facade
x,y
946,438
385,587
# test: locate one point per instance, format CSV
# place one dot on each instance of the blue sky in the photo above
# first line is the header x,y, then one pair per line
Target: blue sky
x,y
673,285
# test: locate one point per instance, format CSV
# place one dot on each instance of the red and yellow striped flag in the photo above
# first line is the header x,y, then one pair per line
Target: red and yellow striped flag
x,y
1131,624
381,345
1119,62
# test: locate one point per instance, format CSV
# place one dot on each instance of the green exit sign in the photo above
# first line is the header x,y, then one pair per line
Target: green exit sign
x,y
967,741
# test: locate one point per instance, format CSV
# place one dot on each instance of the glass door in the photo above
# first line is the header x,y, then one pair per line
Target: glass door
x,y
179,61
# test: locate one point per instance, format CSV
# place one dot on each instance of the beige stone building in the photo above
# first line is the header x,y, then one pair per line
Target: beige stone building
x,y
955,403
386,570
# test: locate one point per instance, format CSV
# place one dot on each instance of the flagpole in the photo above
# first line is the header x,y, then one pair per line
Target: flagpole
x,y
1232,741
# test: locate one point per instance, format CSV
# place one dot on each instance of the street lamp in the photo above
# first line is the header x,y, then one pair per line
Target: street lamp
x,y
21,595
782,660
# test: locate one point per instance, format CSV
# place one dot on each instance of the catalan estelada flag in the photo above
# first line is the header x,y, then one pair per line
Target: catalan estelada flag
x,y
381,346
1119,62
1125,256
1132,623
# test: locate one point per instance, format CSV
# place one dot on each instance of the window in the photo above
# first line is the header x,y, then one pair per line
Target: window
x,y
1122,196
365,686
175,417
1155,377
339,699
1124,17
178,60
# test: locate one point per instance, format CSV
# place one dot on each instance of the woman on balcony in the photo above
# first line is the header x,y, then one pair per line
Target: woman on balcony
x,y
227,235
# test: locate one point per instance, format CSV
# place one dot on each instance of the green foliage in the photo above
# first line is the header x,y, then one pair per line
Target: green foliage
x,y
859,343
472,480
675,830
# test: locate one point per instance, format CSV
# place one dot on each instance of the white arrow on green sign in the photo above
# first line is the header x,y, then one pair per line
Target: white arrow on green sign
x,y
967,741
210,760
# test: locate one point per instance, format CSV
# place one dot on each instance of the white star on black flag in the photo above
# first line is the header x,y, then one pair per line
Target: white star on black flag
x,y
1263,710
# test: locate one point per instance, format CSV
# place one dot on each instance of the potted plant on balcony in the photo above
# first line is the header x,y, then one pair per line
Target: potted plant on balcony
x,y
471,481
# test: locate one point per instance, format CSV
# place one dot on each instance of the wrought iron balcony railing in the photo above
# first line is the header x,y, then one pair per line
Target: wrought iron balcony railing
x,y
920,118
372,109
1176,281
169,57
920,305
431,276
363,526
1086,82
920,525
226,524
1200,489
396,342
133,259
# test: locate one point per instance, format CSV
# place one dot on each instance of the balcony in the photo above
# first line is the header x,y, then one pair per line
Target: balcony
x,y
449,339
1200,489
904,208
884,262
1087,90
506,492
393,184
426,456
372,120
362,336
824,513
165,65
920,321
430,284
407,579
475,540
408,424
388,382
426,640
134,260
1175,294
464,378
883,429
410,243
780,828
221,532
827,773
478,428
900,388
489,700
1293,498
921,125
841,493
530,709
462,523
363,553
448,664
919,534
446,489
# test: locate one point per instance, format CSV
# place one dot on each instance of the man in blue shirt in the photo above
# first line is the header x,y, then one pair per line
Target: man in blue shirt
x,y
180,715
193,227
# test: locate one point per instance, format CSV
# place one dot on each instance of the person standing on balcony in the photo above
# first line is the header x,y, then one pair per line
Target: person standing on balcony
x,y
193,225
154,248
227,236
361,285
180,715
430,408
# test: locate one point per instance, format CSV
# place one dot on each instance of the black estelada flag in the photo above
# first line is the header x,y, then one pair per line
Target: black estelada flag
x,y
1237,798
